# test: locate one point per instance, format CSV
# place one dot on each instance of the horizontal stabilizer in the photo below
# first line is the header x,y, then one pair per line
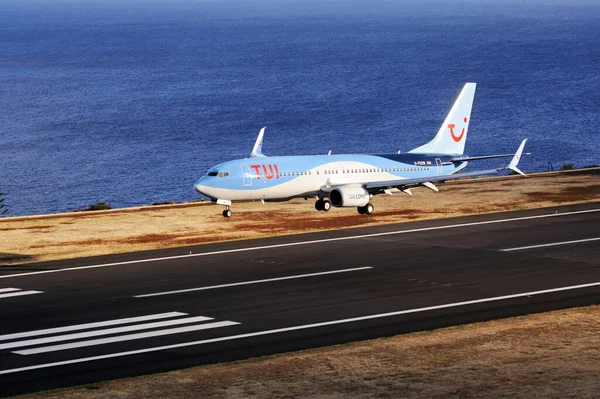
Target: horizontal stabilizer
x,y
467,159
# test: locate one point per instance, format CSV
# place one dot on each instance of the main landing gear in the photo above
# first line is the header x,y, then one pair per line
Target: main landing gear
x,y
325,205
366,210
322,205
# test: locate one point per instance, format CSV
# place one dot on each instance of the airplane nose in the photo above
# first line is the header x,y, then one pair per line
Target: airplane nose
x,y
200,188
205,186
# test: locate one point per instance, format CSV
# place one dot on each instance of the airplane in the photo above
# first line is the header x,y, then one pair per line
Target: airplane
x,y
350,180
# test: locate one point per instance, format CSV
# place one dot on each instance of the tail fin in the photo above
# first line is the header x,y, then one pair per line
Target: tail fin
x,y
452,136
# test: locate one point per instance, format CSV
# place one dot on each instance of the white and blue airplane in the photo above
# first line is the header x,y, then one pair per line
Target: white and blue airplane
x,y
350,180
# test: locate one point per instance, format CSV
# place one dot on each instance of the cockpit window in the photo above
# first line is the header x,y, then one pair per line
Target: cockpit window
x,y
215,172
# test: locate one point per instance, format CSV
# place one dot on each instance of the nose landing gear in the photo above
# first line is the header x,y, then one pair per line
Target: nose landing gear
x,y
227,203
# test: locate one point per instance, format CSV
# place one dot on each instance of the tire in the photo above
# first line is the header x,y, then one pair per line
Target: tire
x,y
361,210
319,205
369,209
326,206
227,213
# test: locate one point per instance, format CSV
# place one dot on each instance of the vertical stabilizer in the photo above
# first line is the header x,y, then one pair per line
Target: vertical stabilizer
x,y
451,137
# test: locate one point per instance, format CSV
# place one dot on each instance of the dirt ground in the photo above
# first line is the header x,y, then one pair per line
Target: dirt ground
x,y
72,235
548,355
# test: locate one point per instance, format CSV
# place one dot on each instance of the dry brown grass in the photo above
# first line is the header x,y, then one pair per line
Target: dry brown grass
x,y
81,234
550,355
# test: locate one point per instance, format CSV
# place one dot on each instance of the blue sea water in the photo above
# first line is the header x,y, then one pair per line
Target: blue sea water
x,y
130,102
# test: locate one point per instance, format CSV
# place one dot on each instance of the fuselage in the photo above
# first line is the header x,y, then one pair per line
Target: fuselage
x,y
287,177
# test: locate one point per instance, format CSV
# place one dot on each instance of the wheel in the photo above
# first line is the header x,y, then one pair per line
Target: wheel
x,y
326,206
361,210
368,209
227,213
319,205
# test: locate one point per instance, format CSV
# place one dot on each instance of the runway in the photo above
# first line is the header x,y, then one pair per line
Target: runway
x,y
79,321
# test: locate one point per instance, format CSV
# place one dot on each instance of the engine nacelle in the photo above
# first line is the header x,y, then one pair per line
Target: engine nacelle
x,y
349,196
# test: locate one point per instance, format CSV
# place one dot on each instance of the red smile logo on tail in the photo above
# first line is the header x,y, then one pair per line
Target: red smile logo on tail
x,y
454,136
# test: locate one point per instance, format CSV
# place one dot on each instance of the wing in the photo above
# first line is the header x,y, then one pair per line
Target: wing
x,y
427,181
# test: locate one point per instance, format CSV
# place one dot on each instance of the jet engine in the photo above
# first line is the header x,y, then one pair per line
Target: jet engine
x,y
349,196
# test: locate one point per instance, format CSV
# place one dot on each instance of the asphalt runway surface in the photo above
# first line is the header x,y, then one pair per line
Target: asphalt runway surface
x,y
80,321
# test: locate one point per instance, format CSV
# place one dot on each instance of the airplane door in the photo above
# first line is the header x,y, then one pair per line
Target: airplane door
x,y
438,162
246,176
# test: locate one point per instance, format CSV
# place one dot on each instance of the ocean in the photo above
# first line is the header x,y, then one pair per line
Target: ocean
x,y
130,102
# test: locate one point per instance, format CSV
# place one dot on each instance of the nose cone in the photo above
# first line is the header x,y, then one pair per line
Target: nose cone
x,y
203,186
199,187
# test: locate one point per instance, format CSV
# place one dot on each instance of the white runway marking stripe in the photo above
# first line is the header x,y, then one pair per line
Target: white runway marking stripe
x,y
295,328
2,290
77,327
19,293
292,244
131,337
268,280
108,331
550,245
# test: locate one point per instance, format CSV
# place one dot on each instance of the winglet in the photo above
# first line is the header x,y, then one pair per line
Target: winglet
x,y
515,161
257,150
